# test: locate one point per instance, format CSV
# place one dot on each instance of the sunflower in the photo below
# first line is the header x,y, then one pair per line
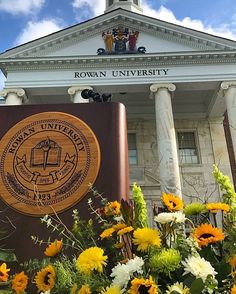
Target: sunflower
x,y
173,203
107,233
114,289
112,208
91,259
214,207
45,279
146,237
139,286
233,290
206,234
4,272
54,248
19,282
125,231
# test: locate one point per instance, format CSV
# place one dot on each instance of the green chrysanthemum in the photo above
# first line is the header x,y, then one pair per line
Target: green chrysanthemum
x,y
165,261
194,208
140,208
64,276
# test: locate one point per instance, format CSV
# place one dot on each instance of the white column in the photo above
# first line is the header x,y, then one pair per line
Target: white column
x,y
166,139
14,96
75,94
230,100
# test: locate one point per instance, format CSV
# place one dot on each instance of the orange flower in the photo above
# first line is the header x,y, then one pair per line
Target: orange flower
x,y
107,233
214,207
173,203
19,282
4,272
233,290
206,234
54,248
125,231
119,226
112,208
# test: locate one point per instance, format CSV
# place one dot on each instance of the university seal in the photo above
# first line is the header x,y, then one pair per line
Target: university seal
x,y
47,162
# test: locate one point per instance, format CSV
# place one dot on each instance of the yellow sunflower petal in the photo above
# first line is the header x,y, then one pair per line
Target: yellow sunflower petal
x,y
19,282
218,206
144,285
206,234
45,279
54,248
173,203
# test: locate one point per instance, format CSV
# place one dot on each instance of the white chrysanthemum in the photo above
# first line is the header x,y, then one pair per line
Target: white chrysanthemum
x,y
167,217
121,275
123,272
135,265
199,267
178,288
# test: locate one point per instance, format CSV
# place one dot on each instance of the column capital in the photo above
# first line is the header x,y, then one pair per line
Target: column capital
x,y
227,84
155,87
74,89
19,92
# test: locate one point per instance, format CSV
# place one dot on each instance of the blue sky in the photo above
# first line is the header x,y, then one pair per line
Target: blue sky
x,y
24,20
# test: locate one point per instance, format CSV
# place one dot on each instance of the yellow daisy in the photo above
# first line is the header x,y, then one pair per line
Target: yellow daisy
x,y
119,226
173,203
206,234
111,290
91,259
139,286
125,231
107,233
233,290
4,272
54,248
214,207
19,282
112,208
45,279
146,237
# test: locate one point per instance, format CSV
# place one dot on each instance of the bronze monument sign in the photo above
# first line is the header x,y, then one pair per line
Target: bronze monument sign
x,y
48,161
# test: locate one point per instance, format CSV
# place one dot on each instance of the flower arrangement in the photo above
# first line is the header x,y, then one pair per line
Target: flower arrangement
x,y
118,252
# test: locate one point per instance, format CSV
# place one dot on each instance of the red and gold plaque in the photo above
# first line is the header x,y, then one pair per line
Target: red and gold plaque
x,y
47,162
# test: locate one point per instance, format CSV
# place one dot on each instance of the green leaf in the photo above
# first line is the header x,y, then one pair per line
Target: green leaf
x,y
7,255
197,287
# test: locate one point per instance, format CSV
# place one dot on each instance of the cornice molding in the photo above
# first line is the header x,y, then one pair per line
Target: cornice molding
x,y
119,61
228,84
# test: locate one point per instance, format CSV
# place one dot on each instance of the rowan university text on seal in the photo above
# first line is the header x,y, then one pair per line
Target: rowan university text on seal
x,y
47,162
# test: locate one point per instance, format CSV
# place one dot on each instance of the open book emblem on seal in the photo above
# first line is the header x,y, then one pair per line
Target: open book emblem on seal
x,y
47,162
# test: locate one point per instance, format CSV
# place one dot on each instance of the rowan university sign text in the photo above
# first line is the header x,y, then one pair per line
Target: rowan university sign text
x,y
47,160
121,73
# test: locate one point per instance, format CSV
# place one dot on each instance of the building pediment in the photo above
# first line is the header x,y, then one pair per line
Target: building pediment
x,y
86,38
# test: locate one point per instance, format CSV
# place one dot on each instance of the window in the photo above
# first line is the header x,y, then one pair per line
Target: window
x,y
187,148
110,2
132,149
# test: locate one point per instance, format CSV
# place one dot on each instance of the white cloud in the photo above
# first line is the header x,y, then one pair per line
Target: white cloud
x,y
20,6
166,14
88,8
35,30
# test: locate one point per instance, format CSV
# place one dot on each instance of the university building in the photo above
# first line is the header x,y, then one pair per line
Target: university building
x,y
178,86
